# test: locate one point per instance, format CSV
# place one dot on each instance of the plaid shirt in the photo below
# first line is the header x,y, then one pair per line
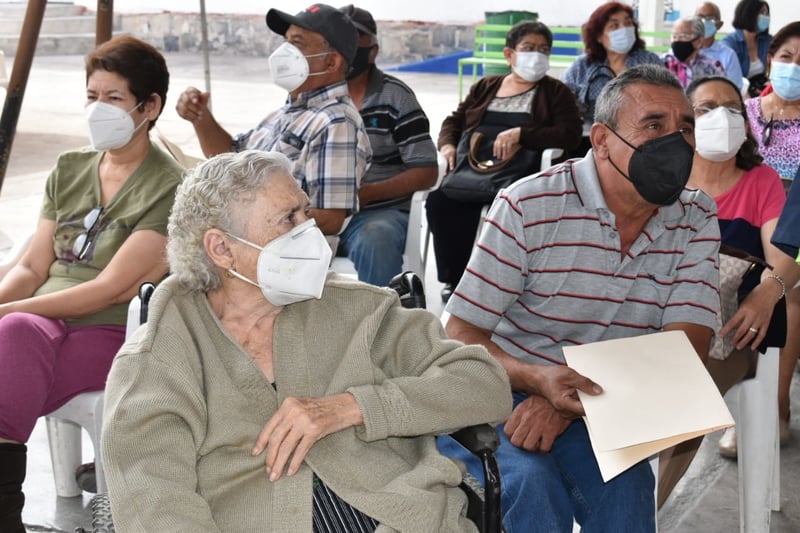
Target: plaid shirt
x,y
323,134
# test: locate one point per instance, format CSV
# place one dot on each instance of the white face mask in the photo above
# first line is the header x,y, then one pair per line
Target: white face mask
x,y
289,67
293,267
110,126
531,66
719,134
622,39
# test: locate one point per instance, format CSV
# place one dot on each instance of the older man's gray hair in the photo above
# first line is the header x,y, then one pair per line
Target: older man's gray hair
x,y
610,100
697,25
212,196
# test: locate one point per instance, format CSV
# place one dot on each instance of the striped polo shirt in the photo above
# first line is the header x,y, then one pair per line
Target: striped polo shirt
x,y
323,135
399,133
547,269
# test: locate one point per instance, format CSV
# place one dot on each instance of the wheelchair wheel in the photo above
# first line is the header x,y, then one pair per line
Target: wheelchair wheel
x,y
101,514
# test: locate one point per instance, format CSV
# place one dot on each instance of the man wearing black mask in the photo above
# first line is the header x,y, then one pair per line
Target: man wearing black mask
x,y
403,160
686,58
605,247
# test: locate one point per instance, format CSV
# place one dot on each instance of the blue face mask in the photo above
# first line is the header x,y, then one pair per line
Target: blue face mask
x,y
763,23
710,28
622,40
785,79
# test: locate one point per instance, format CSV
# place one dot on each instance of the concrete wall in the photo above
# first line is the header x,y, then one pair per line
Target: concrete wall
x,y
400,42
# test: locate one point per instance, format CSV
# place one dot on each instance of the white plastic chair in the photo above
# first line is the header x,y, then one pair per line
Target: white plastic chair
x,y
14,253
758,446
415,255
64,430
186,161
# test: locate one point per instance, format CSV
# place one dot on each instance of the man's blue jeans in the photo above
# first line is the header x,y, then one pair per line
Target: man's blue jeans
x,y
374,241
544,492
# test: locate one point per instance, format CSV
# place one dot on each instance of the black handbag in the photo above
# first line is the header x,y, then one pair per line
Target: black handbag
x,y
478,176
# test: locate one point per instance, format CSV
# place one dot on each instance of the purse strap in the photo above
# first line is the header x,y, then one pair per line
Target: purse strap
x,y
741,254
488,166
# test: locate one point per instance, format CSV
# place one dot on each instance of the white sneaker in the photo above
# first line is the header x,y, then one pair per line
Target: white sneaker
x,y
727,443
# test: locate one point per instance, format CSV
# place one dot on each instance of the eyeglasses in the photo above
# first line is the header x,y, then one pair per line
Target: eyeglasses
x,y
683,37
766,135
84,241
543,49
700,110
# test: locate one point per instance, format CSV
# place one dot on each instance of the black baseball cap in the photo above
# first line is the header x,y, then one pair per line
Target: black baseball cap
x,y
362,19
332,24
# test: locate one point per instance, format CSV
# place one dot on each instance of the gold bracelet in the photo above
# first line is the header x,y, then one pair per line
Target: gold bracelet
x,y
779,279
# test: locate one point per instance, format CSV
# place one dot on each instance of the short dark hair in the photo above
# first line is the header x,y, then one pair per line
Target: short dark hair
x,y
745,15
526,27
139,63
747,157
592,30
784,34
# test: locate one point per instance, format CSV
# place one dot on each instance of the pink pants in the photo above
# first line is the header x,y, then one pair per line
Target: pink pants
x,y
44,363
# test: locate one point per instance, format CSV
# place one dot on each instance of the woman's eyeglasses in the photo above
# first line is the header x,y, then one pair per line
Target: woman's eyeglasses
x,y
85,239
702,109
766,135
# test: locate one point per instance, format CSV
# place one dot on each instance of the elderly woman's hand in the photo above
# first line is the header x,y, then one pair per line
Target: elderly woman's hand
x,y
448,151
298,424
505,143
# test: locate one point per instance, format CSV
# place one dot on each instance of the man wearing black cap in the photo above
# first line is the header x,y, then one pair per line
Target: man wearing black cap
x,y
318,128
403,160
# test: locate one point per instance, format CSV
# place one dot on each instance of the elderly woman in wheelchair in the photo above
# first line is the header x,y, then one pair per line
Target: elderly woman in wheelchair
x,y
266,394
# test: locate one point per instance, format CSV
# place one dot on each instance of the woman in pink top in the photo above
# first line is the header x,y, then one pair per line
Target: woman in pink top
x,y
750,198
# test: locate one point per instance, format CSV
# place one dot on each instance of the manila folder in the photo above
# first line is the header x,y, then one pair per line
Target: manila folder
x,y
656,394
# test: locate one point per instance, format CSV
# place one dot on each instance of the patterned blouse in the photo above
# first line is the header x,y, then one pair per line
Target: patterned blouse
x,y
781,147
702,66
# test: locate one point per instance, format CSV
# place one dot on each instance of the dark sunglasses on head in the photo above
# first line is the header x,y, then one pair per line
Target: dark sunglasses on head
x,y
85,239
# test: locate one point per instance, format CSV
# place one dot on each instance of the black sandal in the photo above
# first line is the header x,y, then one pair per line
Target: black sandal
x,y
86,478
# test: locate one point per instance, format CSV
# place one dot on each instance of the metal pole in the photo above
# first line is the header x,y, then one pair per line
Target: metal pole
x,y
204,45
104,22
19,79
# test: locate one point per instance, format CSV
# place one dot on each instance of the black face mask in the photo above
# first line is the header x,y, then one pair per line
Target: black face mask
x,y
659,168
682,49
360,62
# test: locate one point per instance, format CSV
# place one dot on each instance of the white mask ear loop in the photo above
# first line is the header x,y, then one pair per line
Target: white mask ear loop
x,y
142,123
318,54
236,274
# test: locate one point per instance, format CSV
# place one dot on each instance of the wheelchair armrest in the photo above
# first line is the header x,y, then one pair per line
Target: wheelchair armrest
x,y
408,286
485,506
478,439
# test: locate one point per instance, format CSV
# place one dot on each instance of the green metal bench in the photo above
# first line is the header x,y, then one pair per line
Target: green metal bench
x,y
481,55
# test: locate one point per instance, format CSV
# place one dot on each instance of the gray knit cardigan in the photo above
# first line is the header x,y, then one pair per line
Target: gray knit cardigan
x,y
184,404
